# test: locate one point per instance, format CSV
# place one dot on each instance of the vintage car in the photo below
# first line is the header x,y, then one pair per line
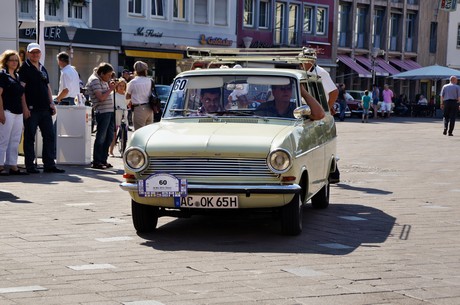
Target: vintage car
x,y
231,155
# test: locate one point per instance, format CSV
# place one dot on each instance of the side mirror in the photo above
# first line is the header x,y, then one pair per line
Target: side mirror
x,y
302,112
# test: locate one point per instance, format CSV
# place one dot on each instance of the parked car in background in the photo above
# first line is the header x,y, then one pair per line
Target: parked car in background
x,y
197,160
354,103
163,93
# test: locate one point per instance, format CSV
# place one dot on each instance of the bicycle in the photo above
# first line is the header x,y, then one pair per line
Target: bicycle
x,y
122,134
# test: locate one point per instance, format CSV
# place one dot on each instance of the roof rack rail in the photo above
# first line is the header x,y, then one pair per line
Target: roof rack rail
x,y
221,56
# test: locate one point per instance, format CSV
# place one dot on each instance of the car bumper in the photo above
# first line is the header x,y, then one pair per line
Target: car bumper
x,y
229,189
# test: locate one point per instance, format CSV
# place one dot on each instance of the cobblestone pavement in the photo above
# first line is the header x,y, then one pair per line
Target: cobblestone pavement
x,y
390,236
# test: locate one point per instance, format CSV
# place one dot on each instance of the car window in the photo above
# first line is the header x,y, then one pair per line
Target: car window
x,y
241,95
316,89
355,94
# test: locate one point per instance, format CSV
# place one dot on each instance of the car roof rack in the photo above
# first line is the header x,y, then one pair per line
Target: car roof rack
x,y
216,57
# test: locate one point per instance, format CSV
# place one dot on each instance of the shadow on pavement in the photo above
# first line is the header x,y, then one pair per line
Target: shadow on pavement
x,y
367,190
73,174
9,197
338,230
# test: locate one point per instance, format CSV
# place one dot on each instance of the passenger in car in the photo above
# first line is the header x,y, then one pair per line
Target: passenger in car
x,y
281,105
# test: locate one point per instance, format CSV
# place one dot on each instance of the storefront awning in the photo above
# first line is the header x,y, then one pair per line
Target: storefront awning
x,y
149,54
379,71
382,63
405,64
347,60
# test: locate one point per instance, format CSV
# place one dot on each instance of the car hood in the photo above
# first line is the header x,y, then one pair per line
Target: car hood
x,y
221,139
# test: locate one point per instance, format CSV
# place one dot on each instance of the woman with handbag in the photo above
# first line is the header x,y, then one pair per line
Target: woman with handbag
x,y
138,93
13,109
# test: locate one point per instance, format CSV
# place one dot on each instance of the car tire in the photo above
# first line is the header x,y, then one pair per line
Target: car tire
x,y
291,217
321,199
145,217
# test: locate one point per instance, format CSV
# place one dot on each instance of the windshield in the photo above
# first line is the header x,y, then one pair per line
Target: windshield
x,y
241,95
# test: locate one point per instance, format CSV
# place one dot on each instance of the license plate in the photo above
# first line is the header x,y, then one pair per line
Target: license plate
x,y
209,202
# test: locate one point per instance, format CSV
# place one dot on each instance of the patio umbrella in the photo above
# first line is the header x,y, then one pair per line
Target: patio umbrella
x,y
434,72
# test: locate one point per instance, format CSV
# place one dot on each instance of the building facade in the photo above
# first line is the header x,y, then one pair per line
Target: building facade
x,y
359,41
158,32
74,27
379,38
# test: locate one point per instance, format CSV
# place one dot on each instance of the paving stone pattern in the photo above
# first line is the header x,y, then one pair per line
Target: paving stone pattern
x,y
390,236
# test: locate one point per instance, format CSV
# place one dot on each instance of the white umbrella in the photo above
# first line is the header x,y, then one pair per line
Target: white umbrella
x,y
434,72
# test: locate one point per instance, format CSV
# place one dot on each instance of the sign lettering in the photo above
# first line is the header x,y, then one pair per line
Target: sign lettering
x,y
215,41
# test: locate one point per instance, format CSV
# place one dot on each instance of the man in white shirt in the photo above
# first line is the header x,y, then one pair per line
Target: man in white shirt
x,y
69,83
332,94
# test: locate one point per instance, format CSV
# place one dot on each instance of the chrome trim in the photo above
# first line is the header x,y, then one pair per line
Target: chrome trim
x,y
232,189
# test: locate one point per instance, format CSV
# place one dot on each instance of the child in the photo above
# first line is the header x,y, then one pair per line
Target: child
x,y
121,107
366,100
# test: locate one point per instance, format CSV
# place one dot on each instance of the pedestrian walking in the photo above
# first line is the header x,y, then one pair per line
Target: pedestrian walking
x,y
375,100
366,101
69,82
342,102
450,98
100,86
137,93
13,110
35,79
388,95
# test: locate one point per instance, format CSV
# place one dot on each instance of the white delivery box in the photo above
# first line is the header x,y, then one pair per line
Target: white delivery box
x,y
73,135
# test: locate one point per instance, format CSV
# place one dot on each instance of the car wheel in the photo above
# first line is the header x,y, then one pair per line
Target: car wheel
x,y
291,217
321,199
145,217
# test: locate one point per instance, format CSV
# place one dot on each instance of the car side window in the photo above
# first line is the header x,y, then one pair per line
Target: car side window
x,y
315,88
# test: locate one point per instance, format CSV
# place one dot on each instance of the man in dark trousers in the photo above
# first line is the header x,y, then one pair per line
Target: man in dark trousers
x,y
39,99
450,98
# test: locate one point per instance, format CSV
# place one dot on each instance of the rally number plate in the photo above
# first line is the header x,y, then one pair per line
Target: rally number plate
x,y
162,185
209,202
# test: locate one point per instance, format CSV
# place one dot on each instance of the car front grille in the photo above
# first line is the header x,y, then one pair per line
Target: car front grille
x,y
210,170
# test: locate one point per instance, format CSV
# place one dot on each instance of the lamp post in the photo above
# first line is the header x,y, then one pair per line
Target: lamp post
x,y
71,31
375,52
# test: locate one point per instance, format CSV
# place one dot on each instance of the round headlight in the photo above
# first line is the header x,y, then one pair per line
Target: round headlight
x,y
135,159
279,161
